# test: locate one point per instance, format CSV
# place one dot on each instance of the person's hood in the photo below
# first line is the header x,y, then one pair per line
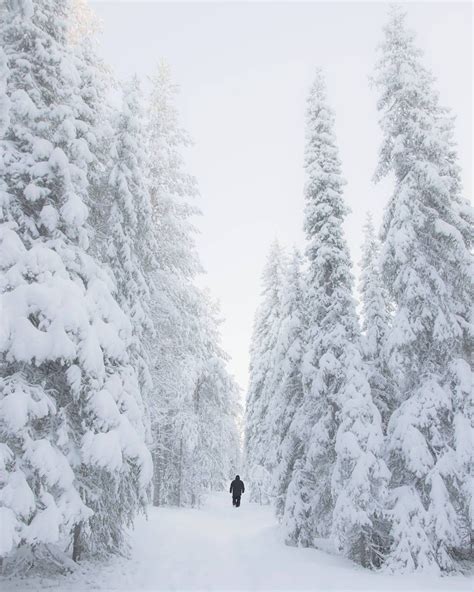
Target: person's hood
x,y
237,478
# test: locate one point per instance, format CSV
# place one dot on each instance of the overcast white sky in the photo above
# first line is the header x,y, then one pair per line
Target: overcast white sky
x,y
244,69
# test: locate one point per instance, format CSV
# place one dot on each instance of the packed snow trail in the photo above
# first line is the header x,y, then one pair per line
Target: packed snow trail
x,y
221,548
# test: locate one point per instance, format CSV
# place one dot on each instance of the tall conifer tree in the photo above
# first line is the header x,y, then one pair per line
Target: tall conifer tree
x,y
258,446
195,398
427,266
287,380
375,321
339,488
69,417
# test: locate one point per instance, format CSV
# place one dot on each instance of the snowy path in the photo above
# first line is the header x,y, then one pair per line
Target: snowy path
x,y
223,548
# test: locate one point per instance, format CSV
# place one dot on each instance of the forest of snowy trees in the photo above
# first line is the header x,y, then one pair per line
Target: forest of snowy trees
x,y
115,391
361,430
114,388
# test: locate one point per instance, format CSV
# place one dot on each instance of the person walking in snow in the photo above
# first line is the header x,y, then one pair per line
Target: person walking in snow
x,y
237,488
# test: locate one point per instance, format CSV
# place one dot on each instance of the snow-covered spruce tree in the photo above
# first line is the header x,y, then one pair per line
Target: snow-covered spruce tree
x,y
69,422
340,488
375,321
97,113
176,305
217,455
217,411
195,404
287,381
130,253
427,266
258,447
110,138
117,165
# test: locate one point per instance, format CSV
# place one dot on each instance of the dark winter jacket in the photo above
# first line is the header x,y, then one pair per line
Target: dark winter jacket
x,y
237,487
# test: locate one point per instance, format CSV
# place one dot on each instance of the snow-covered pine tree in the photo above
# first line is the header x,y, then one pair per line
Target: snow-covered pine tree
x,y
111,135
316,412
339,490
287,381
258,448
108,133
131,244
427,266
69,421
96,87
176,305
217,412
195,408
375,321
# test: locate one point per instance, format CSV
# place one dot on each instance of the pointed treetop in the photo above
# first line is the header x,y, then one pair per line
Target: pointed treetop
x,y
369,229
272,264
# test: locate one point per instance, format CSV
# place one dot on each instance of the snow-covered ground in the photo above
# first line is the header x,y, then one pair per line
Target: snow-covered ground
x,y
223,548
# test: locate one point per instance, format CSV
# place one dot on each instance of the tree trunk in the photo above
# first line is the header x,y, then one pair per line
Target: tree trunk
x,y
180,472
76,544
156,479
